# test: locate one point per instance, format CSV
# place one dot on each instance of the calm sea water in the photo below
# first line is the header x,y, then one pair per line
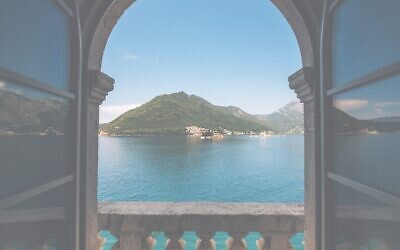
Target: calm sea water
x,y
179,168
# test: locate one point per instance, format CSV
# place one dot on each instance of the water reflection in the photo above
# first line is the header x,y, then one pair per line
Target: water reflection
x,y
24,111
366,126
368,110
362,222
365,38
33,151
35,40
33,144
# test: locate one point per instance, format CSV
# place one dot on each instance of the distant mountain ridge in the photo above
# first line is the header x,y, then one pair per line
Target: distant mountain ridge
x,y
21,114
172,113
287,120
344,123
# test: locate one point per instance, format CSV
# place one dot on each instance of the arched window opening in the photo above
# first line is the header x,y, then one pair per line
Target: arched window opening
x,y
201,110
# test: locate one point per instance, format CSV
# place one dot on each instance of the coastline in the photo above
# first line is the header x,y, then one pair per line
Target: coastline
x,y
185,135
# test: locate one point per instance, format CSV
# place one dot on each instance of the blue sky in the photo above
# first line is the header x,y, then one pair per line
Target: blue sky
x,y
230,52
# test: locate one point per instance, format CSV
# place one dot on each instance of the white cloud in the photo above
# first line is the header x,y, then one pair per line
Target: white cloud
x,y
110,112
2,84
146,60
386,104
130,57
351,104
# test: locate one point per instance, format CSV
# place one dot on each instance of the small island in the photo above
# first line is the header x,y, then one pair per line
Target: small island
x,y
219,134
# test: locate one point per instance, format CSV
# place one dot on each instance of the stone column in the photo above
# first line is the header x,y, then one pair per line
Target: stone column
x,y
205,241
175,241
133,240
99,86
236,241
301,82
281,241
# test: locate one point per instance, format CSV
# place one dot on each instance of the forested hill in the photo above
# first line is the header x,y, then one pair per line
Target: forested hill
x,y
172,113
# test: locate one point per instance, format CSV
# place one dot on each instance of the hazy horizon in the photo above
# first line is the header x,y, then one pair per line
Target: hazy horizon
x,y
227,52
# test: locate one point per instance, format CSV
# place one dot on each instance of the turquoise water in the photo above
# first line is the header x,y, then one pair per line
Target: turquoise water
x,y
179,168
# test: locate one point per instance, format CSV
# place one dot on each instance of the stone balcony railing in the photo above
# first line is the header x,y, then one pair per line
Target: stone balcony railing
x,y
133,222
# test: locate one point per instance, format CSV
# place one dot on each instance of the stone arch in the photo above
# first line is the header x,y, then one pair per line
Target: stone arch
x,y
97,26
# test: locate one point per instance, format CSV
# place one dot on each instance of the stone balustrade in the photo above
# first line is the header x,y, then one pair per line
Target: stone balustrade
x,y
133,222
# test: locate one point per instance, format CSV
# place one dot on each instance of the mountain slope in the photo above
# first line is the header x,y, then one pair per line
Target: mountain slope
x,y
21,114
172,113
287,120
344,123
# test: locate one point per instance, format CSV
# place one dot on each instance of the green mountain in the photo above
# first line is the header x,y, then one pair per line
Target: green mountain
x,y
287,120
343,123
172,113
21,114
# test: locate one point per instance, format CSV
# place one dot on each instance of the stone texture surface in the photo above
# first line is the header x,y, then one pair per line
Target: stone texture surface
x,y
131,222
300,28
103,30
301,82
208,217
100,84
199,208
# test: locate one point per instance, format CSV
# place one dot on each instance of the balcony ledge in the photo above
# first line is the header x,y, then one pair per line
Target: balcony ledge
x,y
276,222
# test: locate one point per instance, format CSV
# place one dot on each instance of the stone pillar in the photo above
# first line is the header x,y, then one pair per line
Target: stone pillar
x,y
175,241
280,241
236,241
301,82
264,243
133,240
99,86
205,241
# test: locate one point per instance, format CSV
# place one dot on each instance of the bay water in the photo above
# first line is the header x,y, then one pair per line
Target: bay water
x,y
180,168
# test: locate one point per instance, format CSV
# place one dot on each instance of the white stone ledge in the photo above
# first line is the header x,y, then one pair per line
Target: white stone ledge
x,y
199,208
193,216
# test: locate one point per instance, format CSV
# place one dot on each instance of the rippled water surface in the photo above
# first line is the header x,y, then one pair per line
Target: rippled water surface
x,y
179,168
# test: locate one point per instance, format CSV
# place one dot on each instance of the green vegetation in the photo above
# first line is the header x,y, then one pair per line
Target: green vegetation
x,y
344,123
21,114
172,113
